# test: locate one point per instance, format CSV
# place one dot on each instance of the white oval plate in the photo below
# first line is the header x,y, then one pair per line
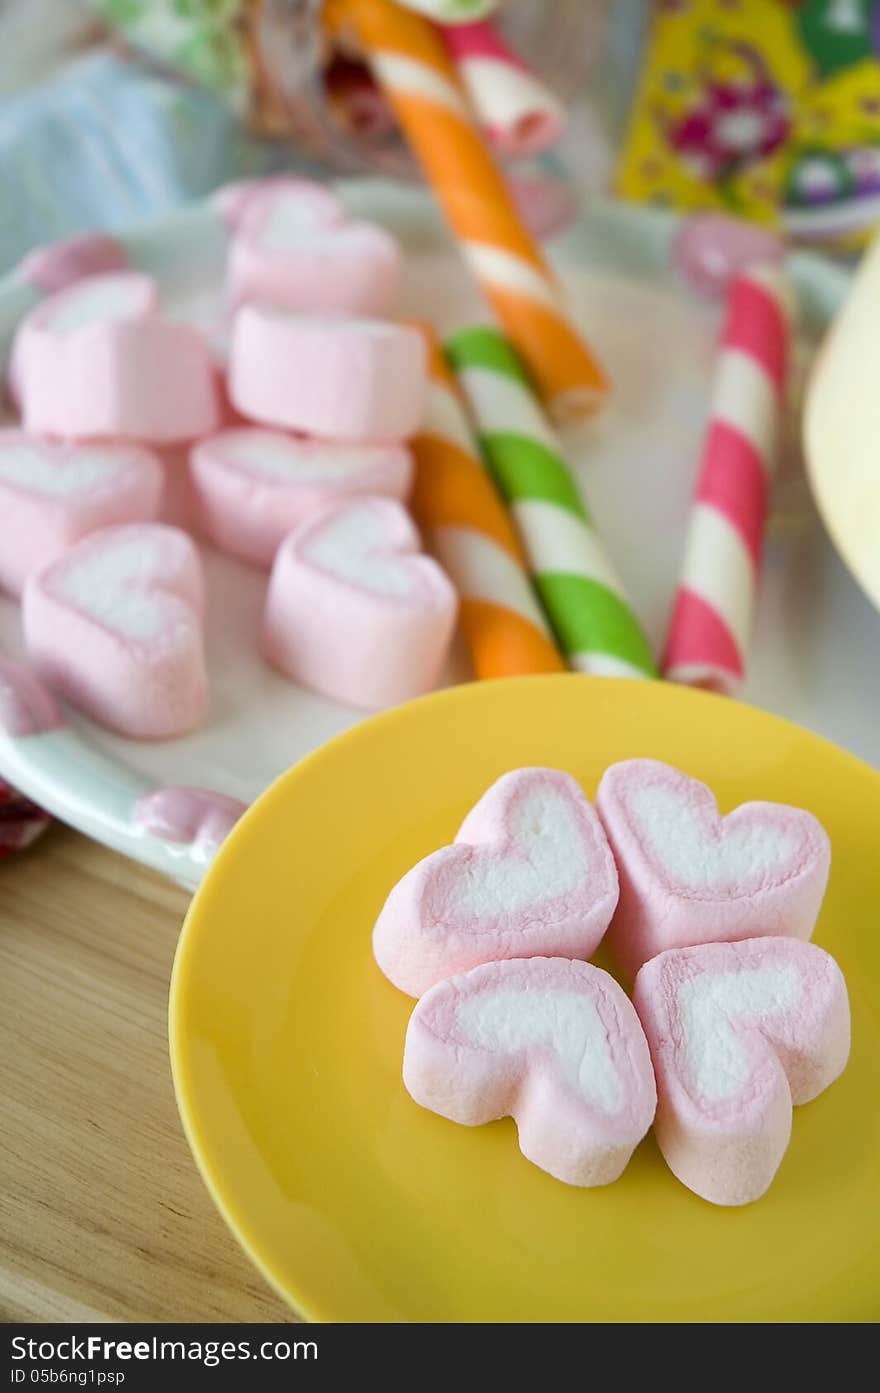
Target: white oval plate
x,y
812,655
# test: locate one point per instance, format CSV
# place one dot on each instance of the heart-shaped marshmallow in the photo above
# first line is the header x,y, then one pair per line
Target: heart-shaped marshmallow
x,y
104,298
530,874
95,360
738,1033
354,610
26,706
115,626
552,1043
689,876
353,268
255,486
278,206
342,379
60,264
191,816
52,494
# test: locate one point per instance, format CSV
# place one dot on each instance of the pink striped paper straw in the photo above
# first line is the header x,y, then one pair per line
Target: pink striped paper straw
x,y
517,112
712,618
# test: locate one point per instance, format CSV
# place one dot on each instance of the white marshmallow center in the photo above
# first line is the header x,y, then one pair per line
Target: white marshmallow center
x,y
57,478
548,860
104,301
679,841
289,461
110,586
291,217
355,546
508,1021
713,1006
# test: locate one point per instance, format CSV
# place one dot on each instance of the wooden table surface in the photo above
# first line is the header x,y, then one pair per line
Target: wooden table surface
x,y
103,1215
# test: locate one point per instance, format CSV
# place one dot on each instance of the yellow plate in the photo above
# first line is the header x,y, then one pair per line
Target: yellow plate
x,y
287,1041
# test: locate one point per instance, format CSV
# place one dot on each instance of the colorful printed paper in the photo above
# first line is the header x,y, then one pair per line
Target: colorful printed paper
x,y
767,109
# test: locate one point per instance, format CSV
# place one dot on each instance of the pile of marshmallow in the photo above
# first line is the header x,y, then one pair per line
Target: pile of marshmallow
x,y
281,440
734,1015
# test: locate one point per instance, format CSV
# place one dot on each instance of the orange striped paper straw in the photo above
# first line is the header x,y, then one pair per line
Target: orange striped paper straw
x,y
410,62
469,530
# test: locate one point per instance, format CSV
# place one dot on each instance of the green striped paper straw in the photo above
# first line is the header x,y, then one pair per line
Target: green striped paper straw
x,y
580,589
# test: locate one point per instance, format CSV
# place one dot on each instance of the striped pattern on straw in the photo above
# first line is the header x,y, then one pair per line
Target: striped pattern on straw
x,y
714,605
580,589
519,114
467,527
410,62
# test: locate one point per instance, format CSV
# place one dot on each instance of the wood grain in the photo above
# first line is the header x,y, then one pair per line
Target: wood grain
x,y
103,1215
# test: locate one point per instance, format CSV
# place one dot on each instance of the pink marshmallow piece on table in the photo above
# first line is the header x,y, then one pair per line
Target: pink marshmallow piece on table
x,y
689,876
115,627
739,1032
282,203
351,269
712,249
354,610
190,816
95,360
530,874
27,707
552,1043
60,264
329,376
105,298
255,486
52,494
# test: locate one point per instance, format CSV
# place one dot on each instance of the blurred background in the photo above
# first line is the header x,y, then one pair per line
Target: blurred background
x,y
111,110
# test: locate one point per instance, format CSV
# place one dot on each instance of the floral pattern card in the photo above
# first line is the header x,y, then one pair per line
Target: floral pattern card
x,y
766,109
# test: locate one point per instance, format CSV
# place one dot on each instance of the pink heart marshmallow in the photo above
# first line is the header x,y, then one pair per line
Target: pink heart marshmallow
x,y
530,874
115,626
96,360
53,494
738,1033
554,1044
354,610
253,487
689,876
353,268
